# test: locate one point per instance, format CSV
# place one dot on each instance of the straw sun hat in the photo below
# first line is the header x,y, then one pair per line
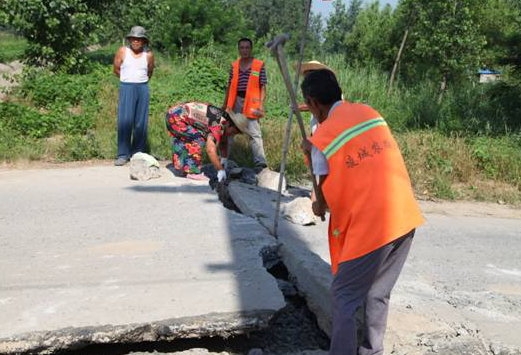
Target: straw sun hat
x,y
240,120
314,65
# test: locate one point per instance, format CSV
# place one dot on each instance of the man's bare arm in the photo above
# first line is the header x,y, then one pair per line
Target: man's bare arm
x,y
319,205
151,63
118,59
211,150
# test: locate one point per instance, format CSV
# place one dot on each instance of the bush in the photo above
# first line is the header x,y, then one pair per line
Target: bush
x,y
45,88
25,121
499,158
468,108
79,147
56,30
63,103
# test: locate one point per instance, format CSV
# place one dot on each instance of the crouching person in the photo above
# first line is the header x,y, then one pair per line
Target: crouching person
x,y
373,211
196,125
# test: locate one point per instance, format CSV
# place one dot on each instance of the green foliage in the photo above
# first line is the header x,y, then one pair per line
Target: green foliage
x,y
56,30
472,137
175,26
368,42
45,88
13,47
25,121
339,24
120,16
64,103
468,109
79,147
272,17
500,158
196,23
500,24
447,35
29,122
204,76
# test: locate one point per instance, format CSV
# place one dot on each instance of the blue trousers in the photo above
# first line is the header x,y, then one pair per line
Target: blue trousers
x,y
367,280
132,117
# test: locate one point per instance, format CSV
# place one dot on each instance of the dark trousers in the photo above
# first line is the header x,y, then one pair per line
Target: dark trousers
x,y
132,116
368,279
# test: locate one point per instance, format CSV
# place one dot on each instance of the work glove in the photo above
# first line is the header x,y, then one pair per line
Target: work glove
x,y
221,175
224,162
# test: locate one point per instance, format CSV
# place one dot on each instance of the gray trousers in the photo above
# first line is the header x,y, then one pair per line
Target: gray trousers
x,y
368,279
255,135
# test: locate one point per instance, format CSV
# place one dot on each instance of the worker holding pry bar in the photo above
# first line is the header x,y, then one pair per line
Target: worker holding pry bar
x,y
373,212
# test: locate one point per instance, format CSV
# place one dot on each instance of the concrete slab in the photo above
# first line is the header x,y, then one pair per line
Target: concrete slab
x,y
87,255
304,249
460,290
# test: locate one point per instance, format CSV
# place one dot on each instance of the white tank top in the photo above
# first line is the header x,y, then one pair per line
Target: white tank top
x,y
134,70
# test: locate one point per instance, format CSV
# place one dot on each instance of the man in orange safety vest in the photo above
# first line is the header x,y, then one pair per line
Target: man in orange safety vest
x,y
245,93
373,211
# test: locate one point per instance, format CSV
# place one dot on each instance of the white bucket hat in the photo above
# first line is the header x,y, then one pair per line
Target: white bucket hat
x,y
138,32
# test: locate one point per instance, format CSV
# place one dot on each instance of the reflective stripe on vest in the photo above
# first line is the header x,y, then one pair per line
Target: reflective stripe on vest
x,y
351,133
252,100
367,190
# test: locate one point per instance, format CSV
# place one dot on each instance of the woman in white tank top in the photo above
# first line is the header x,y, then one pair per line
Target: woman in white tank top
x,y
133,65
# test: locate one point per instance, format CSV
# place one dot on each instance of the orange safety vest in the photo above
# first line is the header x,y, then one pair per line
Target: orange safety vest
x,y
368,190
252,101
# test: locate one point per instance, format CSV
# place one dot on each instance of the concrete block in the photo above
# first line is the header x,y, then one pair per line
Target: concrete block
x,y
270,179
144,167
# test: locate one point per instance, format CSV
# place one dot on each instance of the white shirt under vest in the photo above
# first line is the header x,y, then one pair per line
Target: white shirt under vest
x,y
134,70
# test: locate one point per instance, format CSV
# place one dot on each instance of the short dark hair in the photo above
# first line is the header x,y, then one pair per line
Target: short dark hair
x,y
322,86
245,39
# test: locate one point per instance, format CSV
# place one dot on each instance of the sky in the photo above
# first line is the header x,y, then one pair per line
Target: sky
x,y
326,7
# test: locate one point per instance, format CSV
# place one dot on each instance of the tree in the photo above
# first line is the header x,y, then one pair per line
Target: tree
x,y
336,28
184,24
271,17
370,39
448,37
57,30
352,13
339,24
122,15
500,24
409,16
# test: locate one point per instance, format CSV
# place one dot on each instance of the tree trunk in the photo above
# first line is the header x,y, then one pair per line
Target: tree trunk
x,y
395,67
442,87
412,20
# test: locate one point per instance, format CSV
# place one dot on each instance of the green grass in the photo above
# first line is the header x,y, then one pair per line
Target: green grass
x,y
458,150
13,47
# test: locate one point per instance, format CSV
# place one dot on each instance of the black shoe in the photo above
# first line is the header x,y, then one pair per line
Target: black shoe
x,y
259,168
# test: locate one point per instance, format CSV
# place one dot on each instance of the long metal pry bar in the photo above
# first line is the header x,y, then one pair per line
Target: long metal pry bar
x,y
276,47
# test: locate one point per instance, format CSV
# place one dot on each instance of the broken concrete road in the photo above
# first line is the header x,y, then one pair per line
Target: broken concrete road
x,y
459,293
89,256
